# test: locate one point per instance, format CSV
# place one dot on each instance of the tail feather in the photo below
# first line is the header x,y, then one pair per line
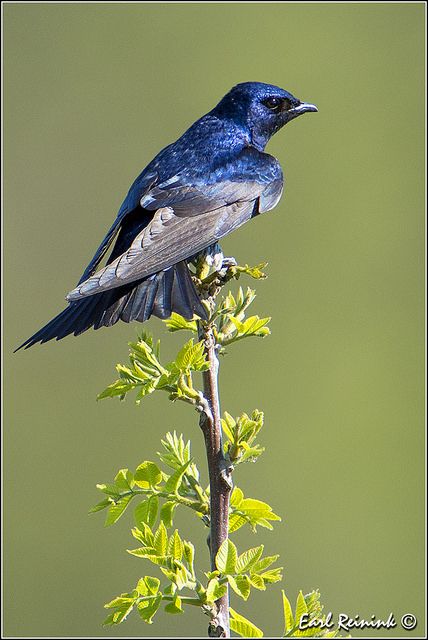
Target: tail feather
x,y
159,294
142,312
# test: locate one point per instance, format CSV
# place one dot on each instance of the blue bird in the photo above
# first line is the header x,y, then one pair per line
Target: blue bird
x,y
193,193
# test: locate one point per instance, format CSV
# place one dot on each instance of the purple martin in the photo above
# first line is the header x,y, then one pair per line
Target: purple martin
x,y
193,193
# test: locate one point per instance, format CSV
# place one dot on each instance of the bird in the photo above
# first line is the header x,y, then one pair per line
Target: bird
x,y
200,188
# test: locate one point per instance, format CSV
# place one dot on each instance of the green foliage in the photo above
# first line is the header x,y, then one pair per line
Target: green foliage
x,y
242,626
241,433
231,322
251,511
161,492
248,570
146,374
158,489
313,625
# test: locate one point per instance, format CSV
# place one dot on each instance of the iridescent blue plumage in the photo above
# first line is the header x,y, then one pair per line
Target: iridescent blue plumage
x,y
213,179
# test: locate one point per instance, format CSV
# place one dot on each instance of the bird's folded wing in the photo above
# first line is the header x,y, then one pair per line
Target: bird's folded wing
x,y
141,185
187,219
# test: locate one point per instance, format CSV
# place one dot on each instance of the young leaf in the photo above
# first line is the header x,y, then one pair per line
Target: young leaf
x,y
116,510
176,323
263,564
288,614
124,479
161,540
109,489
257,582
147,609
237,497
271,576
100,506
173,483
214,591
226,557
147,475
124,608
191,356
175,546
189,555
243,627
144,534
167,513
118,388
236,521
247,559
174,606
147,511
301,607
241,585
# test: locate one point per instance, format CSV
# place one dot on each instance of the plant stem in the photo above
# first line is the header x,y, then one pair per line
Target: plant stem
x,y
220,473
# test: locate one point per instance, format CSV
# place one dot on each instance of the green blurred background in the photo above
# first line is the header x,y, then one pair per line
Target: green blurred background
x,y
92,92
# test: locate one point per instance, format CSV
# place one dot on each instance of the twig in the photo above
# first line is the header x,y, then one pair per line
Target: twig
x,y
219,469
220,475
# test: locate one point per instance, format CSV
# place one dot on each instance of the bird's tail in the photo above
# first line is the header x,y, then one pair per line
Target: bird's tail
x,y
159,295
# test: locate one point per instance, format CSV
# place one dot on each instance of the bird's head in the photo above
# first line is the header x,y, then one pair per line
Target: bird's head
x,y
261,108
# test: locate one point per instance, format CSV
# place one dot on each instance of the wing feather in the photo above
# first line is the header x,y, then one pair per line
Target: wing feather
x,y
187,219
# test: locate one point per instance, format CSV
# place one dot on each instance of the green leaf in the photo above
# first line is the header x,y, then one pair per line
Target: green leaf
x,y
271,576
173,483
192,356
263,564
236,497
167,513
116,510
152,584
243,627
119,601
110,490
121,613
174,606
288,613
226,557
257,582
247,559
236,521
189,555
147,609
301,607
144,534
215,591
241,585
257,509
161,540
228,425
100,506
124,479
148,475
175,546
176,323
254,272
147,511
118,388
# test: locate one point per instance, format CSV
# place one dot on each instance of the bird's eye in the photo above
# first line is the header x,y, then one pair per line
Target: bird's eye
x,y
274,104
277,104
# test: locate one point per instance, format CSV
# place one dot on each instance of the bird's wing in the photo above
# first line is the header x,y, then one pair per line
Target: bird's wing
x,y
141,185
187,219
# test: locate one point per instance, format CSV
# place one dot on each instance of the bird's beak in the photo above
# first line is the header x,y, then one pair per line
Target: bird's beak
x,y
303,107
